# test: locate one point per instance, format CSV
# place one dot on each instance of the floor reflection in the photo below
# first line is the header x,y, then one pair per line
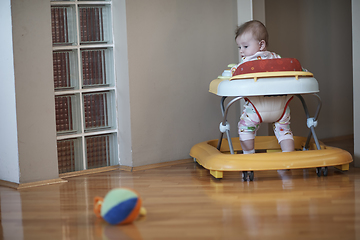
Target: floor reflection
x,y
11,214
301,200
112,232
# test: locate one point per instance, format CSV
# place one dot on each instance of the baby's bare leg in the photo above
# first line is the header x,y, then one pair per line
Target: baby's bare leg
x,y
287,145
247,146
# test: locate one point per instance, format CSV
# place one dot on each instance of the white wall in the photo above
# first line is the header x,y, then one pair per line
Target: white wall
x,y
35,104
259,12
318,33
356,79
122,82
9,164
176,47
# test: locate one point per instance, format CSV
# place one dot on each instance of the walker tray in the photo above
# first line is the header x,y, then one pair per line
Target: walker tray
x,y
266,77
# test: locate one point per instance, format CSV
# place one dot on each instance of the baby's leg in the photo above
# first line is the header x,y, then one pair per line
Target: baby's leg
x,y
283,132
287,145
248,125
247,146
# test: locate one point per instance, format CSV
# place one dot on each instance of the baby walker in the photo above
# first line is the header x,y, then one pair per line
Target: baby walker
x,y
271,77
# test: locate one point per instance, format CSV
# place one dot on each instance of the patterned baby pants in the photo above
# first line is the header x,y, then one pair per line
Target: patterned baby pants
x,y
250,122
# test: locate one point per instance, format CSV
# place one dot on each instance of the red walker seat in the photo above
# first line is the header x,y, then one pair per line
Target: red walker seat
x,y
269,65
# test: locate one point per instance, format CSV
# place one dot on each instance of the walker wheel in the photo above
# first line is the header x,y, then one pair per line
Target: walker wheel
x,y
249,174
244,175
324,170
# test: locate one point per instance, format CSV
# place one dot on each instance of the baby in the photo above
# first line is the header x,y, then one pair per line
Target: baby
x,y
252,39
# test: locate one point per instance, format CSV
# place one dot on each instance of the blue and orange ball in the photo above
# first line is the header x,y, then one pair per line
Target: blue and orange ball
x,y
120,206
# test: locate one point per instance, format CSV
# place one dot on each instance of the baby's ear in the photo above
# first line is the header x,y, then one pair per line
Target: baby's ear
x,y
262,45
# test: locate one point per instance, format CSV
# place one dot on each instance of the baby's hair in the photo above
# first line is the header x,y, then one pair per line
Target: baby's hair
x,y
257,29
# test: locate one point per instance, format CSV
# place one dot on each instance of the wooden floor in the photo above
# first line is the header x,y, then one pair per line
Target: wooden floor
x,y
184,202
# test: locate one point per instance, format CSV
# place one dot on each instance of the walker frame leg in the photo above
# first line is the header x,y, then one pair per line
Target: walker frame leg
x,y
312,133
312,128
224,111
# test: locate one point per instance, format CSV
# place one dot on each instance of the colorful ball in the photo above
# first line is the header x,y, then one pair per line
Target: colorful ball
x,y
120,206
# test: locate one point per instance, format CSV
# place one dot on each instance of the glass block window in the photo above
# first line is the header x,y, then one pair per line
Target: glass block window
x,y
98,151
83,71
94,24
64,69
69,155
97,109
62,24
96,67
64,114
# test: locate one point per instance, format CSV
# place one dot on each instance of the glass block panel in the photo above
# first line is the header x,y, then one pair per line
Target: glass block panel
x,y
94,24
100,151
69,155
64,69
98,109
62,25
65,109
96,64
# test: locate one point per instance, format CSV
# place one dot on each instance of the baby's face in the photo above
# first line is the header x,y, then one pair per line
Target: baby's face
x,y
248,45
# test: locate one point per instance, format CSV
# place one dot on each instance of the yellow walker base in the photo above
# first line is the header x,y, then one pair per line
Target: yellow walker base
x,y
268,156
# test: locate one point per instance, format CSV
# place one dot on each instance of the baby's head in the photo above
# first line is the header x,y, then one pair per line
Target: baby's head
x,y
251,37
